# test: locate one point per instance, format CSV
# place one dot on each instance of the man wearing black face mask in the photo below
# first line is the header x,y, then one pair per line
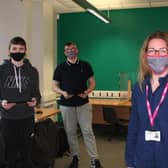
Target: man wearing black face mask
x,y
70,80
19,94
17,56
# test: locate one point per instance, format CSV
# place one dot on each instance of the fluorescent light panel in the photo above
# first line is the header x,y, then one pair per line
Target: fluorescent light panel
x,y
98,15
91,9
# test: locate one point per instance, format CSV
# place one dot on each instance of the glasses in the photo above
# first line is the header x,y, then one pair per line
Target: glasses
x,y
71,49
160,51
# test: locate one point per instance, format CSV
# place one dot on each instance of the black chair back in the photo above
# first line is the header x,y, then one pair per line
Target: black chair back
x,y
109,115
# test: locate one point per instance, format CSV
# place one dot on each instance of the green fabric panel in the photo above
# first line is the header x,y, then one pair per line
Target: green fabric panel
x,y
59,117
110,48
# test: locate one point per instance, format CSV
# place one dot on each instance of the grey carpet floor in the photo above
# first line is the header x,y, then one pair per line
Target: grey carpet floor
x,y
111,153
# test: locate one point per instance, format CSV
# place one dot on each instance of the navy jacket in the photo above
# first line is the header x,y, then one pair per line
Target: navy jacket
x,y
147,154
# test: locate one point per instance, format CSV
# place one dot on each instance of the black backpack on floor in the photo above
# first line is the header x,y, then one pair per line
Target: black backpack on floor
x,y
45,144
63,146
49,142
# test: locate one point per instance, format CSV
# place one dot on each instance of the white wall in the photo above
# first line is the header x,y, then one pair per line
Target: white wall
x,y
12,23
49,49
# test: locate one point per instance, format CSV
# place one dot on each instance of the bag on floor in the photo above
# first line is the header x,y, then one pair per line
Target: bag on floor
x,y
50,141
62,141
44,144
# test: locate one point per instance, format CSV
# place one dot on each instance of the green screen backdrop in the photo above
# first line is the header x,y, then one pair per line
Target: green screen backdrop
x,y
110,48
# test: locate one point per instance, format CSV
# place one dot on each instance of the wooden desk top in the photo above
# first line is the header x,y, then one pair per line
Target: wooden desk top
x,y
46,112
110,102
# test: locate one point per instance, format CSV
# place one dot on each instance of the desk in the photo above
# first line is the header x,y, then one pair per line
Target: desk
x,y
46,112
121,106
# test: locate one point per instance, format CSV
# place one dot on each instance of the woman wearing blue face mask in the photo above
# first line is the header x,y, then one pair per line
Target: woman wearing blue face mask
x,y
147,141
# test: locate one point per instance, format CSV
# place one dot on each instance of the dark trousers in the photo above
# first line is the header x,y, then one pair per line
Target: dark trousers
x,y
18,141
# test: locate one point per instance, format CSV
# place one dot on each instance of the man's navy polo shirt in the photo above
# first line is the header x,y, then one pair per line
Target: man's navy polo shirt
x,y
73,79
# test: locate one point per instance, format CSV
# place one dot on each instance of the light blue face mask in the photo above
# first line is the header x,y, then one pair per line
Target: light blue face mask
x,y
158,64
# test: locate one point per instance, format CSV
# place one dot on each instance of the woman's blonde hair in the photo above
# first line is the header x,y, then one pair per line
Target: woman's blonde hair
x,y
144,69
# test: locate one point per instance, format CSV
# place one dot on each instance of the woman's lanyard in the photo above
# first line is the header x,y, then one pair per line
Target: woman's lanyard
x,y
155,113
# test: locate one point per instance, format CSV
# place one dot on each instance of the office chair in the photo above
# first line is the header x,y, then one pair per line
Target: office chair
x,y
119,126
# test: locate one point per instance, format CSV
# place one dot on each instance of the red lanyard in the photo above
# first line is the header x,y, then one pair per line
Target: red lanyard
x,y
152,117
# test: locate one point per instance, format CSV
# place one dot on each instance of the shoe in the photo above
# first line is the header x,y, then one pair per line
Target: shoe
x,y
96,164
75,162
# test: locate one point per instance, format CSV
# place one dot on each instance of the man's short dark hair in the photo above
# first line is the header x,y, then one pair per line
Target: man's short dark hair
x,y
70,43
18,41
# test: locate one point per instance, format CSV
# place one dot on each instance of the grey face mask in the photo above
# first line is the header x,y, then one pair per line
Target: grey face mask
x,y
157,64
70,54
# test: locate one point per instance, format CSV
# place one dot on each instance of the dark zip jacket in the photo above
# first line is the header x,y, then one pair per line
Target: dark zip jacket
x,y
18,85
141,153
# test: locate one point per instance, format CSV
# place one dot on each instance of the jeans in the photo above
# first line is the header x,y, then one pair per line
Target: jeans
x,y
18,140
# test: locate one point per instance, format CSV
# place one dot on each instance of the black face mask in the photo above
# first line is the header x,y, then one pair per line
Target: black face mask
x,y
17,56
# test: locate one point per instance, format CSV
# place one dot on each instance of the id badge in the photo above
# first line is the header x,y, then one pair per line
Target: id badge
x,y
152,136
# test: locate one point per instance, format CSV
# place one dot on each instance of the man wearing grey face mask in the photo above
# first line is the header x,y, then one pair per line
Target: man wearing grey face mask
x,y
147,145
70,81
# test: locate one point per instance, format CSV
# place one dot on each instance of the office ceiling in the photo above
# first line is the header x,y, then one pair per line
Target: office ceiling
x,y
68,6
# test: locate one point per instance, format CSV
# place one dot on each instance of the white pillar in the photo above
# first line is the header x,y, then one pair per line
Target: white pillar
x,y
43,45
